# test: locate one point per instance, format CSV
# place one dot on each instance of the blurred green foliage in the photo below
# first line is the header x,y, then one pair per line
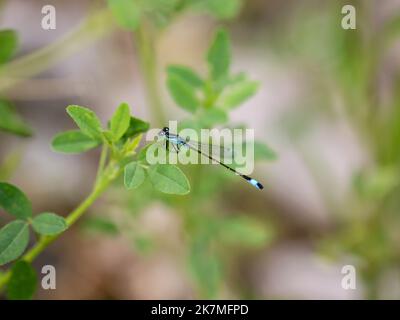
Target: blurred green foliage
x,y
23,282
9,45
121,139
209,227
14,236
130,14
10,121
214,233
345,69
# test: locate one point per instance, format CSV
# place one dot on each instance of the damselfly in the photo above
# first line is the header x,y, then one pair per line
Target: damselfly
x,y
177,142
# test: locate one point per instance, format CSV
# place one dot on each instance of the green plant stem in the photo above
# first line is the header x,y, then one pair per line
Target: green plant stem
x,y
145,40
102,162
80,210
102,183
94,27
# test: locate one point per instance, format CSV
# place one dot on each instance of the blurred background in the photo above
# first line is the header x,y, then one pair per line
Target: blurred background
x,y
328,105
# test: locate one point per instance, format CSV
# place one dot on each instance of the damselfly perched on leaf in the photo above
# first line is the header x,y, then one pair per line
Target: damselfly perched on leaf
x,y
177,142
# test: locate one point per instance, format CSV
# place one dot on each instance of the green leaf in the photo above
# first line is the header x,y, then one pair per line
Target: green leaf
x,y
183,93
134,175
186,74
126,13
11,122
161,12
8,44
221,9
219,55
136,126
101,225
377,183
211,117
263,152
131,146
168,178
23,282
14,238
120,121
86,120
108,136
73,141
14,201
237,94
245,231
143,152
49,224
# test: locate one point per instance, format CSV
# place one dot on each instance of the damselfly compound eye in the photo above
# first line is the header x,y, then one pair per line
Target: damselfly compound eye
x,y
162,132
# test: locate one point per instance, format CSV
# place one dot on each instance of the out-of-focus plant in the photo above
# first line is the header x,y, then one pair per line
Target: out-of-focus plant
x,y
209,99
14,238
213,231
344,71
147,20
10,121
370,232
209,228
119,142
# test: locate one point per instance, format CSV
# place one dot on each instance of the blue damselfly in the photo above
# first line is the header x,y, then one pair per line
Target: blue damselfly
x,y
177,142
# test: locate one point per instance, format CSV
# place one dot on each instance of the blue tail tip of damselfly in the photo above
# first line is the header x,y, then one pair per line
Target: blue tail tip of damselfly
x,y
255,183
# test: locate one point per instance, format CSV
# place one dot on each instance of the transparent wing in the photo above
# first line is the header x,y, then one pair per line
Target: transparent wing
x,y
217,151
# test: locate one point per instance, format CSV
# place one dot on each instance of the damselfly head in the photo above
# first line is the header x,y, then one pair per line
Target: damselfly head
x,y
164,131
